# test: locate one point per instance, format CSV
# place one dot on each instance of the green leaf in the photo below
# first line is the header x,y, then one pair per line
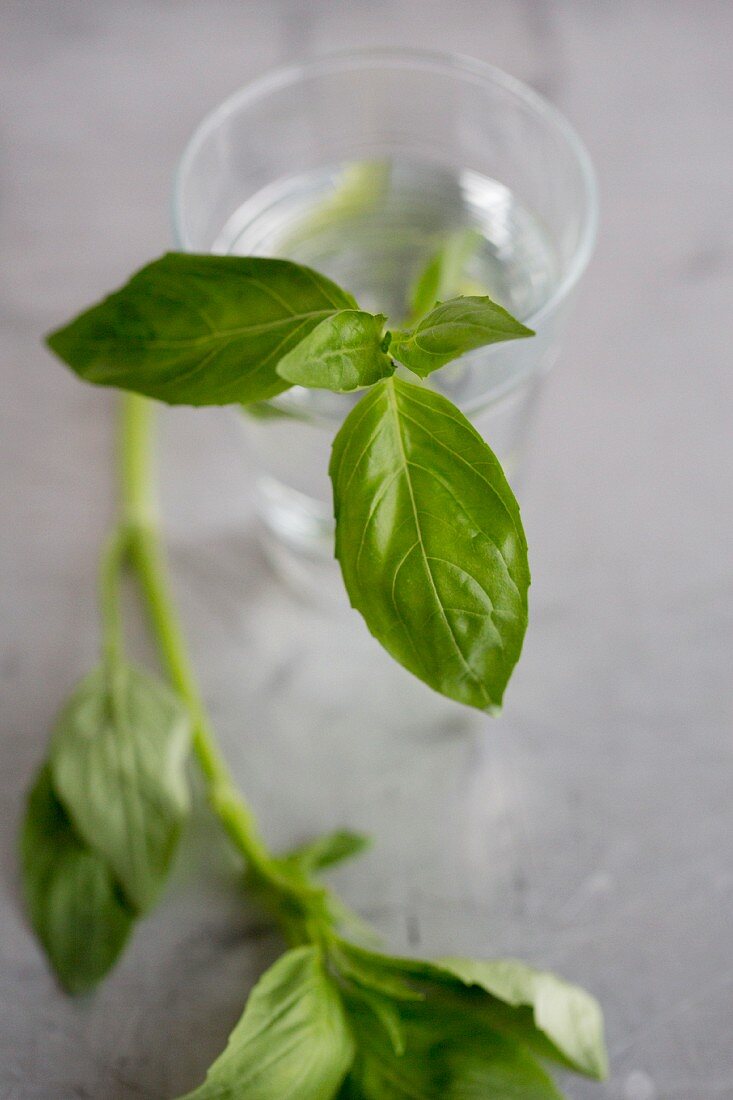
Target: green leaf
x,y
200,330
387,1014
565,1014
118,760
446,1054
329,849
293,1042
555,1019
430,541
369,970
488,1065
344,353
452,328
441,277
75,906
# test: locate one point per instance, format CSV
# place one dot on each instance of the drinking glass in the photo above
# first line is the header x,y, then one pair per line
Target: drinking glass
x,y
365,165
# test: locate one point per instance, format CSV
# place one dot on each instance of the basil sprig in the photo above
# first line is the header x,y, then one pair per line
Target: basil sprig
x,y
332,1020
428,533
432,551
105,814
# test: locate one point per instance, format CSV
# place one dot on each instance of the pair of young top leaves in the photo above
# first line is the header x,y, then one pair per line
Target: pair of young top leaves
x,y
428,533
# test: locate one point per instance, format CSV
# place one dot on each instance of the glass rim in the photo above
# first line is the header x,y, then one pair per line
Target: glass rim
x,y
459,65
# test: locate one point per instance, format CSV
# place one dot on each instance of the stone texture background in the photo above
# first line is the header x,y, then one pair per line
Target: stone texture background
x,y
589,829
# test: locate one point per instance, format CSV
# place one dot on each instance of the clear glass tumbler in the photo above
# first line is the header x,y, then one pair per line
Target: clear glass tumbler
x,y
365,166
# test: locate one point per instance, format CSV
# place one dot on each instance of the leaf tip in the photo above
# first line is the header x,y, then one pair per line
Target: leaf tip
x,y
54,341
598,1062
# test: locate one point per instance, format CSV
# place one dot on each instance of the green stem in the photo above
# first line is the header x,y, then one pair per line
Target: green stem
x,y
304,910
140,531
109,597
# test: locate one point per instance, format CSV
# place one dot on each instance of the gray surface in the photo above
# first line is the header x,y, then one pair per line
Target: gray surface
x,y
589,829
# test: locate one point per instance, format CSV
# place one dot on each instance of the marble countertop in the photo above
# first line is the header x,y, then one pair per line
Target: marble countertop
x,y
589,829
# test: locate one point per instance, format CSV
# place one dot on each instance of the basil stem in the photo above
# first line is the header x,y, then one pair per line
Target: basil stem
x,y
113,560
300,906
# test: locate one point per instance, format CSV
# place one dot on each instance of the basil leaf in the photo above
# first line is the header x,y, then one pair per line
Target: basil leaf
x,y
452,328
375,972
118,760
75,906
557,1020
565,1014
329,849
200,330
293,1042
446,1054
387,1014
430,541
441,276
344,353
